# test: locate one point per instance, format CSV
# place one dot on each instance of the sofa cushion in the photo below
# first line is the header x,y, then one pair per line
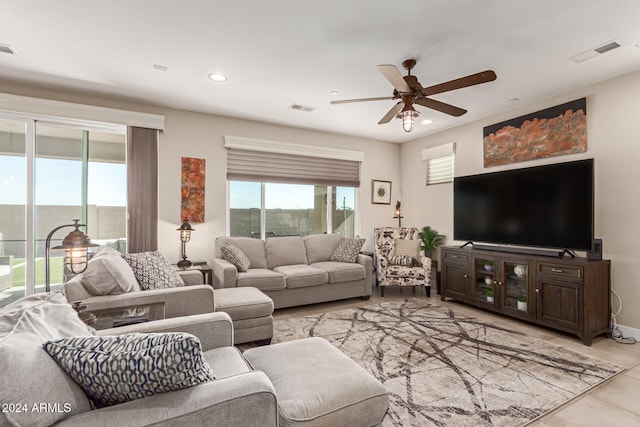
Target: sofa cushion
x,y
347,250
29,375
406,247
226,362
153,270
302,275
287,250
108,273
340,272
252,248
121,368
319,247
235,256
262,278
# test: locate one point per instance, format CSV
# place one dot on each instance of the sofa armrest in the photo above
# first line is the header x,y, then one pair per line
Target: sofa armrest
x,y
426,264
225,274
191,277
213,329
367,262
247,399
181,301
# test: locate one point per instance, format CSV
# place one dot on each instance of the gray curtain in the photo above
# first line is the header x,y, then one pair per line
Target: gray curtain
x,y
142,189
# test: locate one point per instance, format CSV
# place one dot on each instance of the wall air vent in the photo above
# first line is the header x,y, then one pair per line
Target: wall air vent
x,y
301,107
595,51
6,49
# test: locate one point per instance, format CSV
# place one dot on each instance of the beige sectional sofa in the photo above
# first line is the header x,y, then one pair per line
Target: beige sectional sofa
x,y
294,270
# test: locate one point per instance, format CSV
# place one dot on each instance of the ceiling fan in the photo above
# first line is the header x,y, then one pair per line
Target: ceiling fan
x,y
410,92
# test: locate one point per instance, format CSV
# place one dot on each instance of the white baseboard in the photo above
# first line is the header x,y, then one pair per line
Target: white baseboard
x,y
628,332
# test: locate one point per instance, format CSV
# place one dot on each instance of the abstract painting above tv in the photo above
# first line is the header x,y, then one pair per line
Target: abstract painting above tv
x,y
551,132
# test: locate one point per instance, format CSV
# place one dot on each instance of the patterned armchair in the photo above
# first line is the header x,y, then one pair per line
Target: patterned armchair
x,y
390,271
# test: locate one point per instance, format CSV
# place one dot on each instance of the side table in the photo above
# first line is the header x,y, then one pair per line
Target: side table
x,y
205,269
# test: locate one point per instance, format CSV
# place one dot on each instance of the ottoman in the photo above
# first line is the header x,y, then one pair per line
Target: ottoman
x,y
251,312
317,385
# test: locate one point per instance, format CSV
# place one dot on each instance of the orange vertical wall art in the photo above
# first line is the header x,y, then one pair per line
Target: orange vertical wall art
x,y
192,205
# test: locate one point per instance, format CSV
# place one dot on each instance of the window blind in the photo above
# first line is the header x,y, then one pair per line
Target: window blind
x,y
262,166
439,163
440,170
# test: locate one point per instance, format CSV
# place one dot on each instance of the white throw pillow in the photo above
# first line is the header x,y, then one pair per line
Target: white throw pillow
x,y
406,247
109,274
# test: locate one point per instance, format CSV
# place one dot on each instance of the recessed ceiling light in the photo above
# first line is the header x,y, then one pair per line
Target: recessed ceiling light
x,y
514,99
426,121
217,77
160,67
334,92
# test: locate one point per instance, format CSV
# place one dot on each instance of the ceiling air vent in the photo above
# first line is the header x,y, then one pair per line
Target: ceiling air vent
x,y
595,51
6,49
301,107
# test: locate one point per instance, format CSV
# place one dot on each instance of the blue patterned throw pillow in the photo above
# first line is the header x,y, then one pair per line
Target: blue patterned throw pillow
x,y
153,270
117,369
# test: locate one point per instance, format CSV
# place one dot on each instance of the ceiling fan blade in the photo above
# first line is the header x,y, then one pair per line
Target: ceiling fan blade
x,y
471,80
391,113
395,78
347,101
441,106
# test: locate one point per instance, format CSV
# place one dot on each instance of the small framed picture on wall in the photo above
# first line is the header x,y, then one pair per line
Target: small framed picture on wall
x,y
380,192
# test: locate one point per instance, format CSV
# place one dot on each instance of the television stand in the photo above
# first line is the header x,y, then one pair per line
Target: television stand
x,y
567,294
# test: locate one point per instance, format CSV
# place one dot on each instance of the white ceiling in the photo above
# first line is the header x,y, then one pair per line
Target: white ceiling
x,y
280,52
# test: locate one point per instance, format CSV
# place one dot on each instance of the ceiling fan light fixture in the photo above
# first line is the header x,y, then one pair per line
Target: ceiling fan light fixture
x,y
408,116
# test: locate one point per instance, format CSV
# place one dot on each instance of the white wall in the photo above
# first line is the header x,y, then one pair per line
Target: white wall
x,y
613,138
189,134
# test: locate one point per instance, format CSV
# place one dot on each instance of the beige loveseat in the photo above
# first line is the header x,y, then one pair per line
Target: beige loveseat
x,y
294,270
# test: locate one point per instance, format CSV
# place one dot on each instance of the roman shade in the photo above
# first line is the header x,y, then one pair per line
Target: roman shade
x,y
248,165
439,163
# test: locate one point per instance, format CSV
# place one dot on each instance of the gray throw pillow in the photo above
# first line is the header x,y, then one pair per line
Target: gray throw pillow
x,y
235,256
153,270
347,250
121,368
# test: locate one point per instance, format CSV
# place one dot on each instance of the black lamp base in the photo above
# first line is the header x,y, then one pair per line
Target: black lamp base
x,y
185,263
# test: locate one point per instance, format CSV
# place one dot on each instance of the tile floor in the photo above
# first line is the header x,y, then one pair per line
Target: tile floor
x,y
613,403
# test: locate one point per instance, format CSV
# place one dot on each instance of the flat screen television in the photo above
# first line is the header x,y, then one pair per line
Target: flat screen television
x,y
548,206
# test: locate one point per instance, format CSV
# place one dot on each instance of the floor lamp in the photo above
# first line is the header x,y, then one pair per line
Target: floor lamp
x,y
75,245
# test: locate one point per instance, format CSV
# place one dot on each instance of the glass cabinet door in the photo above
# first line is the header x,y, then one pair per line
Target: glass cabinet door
x,y
515,285
485,280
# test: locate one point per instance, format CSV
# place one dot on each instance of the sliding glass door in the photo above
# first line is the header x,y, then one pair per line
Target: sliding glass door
x,y
53,173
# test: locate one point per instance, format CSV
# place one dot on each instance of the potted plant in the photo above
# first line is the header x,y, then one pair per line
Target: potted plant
x,y
487,265
431,239
522,303
489,294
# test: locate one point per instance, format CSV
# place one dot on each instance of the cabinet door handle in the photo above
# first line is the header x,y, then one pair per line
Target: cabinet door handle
x,y
557,270
466,276
454,256
537,290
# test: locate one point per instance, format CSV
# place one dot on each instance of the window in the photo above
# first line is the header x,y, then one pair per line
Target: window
x,y
76,173
289,209
282,189
439,161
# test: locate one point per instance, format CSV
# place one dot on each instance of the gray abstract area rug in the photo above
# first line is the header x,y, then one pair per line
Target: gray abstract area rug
x,y
443,369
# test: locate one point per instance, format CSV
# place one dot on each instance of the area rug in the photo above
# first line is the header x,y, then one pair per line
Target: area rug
x,y
445,369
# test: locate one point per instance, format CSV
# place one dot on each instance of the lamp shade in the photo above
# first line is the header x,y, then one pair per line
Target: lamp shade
x,y
76,245
185,231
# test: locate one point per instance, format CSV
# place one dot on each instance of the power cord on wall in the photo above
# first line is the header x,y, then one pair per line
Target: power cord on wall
x,y
616,334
